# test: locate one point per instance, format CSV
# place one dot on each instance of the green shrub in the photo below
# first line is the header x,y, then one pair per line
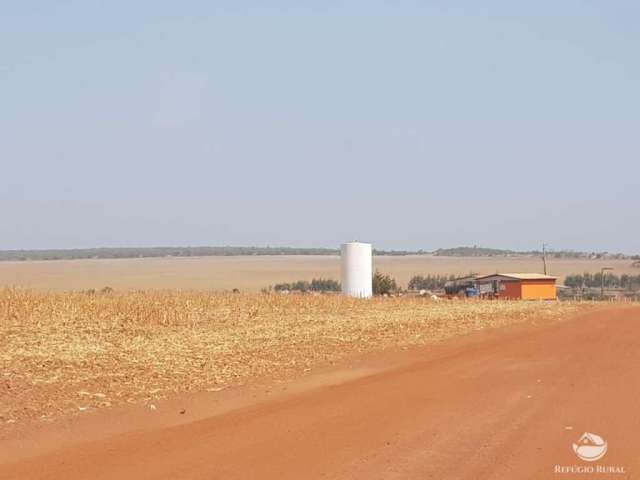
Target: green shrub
x,y
383,284
316,285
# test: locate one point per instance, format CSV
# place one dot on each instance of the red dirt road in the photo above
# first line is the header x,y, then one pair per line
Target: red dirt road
x,y
504,405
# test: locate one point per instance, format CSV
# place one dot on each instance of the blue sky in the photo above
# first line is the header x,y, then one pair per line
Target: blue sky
x,y
410,124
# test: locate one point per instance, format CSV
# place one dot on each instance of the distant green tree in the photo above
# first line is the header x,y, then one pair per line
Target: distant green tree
x,y
383,284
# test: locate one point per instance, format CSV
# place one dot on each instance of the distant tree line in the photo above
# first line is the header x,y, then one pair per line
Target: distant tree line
x,y
152,252
316,285
398,253
429,282
382,284
473,252
148,252
594,280
496,252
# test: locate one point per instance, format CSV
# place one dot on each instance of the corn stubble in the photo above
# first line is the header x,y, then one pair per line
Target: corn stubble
x,y
64,353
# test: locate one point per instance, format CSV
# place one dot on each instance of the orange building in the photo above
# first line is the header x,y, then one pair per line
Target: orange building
x,y
518,286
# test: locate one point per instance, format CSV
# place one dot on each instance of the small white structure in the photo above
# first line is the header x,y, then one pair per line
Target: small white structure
x,y
357,269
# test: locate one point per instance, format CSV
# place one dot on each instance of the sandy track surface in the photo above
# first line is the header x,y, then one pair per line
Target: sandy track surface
x,y
501,406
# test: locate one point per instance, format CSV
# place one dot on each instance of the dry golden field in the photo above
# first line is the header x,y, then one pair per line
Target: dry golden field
x,y
62,353
251,273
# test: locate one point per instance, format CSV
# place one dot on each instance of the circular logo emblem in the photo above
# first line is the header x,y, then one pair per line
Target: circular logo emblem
x,y
590,447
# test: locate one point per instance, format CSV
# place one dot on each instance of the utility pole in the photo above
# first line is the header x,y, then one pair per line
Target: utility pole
x,y
544,257
602,270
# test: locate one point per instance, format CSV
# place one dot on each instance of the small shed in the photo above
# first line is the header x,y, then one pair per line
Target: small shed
x,y
518,286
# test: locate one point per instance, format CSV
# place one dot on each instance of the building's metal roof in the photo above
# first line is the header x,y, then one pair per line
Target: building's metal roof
x,y
519,276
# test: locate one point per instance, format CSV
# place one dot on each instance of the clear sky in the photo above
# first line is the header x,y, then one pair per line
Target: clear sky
x,y
410,124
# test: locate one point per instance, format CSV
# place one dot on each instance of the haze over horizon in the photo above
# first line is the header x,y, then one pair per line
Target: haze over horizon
x,y
408,124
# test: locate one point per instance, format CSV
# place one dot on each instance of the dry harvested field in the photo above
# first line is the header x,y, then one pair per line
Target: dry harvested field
x,y
251,273
66,353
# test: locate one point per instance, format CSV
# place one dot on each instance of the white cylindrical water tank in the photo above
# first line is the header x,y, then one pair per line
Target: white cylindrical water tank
x,y
357,266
